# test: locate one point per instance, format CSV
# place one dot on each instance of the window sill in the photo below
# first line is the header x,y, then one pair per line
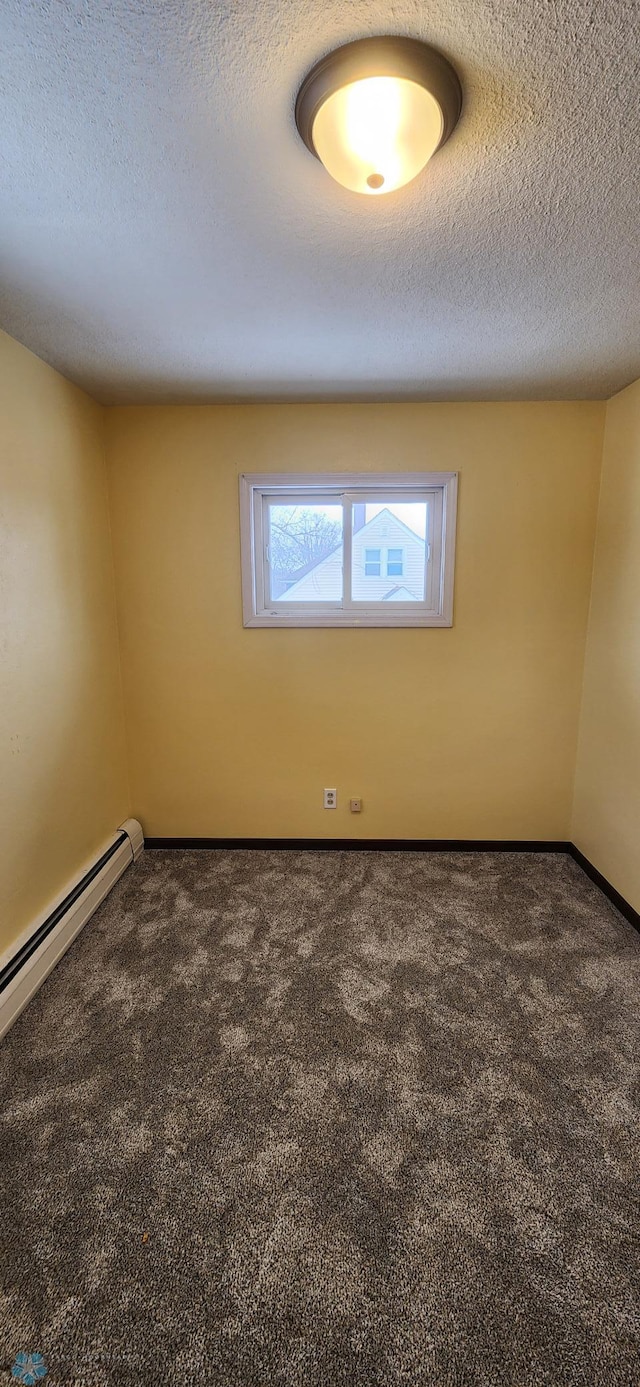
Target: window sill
x,y
285,620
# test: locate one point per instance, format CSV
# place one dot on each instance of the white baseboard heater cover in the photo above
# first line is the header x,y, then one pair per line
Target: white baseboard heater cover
x,y
32,960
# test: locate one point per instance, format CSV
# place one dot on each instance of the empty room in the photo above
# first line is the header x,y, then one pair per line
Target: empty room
x,y
320,694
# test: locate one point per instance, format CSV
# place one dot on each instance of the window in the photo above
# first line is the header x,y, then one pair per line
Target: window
x,y
395,563
372,563
356,550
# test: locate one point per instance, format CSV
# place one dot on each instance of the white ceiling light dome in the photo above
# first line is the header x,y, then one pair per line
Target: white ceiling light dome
x,y
375,111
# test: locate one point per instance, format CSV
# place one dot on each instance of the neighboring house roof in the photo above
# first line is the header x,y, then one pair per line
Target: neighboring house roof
x,y
385,530
387,515
398,595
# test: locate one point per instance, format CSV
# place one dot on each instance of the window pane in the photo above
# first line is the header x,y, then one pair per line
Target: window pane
x,y
395,563
398,530
372,563
304,552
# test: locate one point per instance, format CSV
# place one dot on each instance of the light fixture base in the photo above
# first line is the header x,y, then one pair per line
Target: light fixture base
x,y
390,56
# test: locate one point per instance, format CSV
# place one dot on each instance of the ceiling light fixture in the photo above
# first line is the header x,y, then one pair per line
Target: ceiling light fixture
x,y
375,111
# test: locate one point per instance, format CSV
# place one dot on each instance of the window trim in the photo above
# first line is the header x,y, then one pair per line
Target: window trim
x,y
437,608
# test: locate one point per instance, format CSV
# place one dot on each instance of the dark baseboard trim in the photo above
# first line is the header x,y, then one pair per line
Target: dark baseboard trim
x,y
367,844
412,845
605,886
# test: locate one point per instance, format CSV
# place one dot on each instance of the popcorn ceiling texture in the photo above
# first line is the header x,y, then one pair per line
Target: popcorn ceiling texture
x,y
329,1120
166,235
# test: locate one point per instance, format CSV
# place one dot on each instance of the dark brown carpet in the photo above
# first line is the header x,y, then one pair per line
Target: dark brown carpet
x,y
330,1118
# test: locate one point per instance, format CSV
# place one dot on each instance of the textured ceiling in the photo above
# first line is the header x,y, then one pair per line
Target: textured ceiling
x,y
165,234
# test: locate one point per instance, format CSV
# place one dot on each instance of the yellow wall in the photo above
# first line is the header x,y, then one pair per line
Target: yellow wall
x,y
63,787
468,732
606,824
465,732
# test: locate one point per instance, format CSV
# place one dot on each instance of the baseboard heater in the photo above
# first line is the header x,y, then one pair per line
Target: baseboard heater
x,y
23,973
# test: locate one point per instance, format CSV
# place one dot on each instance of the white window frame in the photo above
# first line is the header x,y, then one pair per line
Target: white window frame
x,y
437,607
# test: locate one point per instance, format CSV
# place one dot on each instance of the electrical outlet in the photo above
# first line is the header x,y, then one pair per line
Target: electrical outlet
x,y
330,799
355,806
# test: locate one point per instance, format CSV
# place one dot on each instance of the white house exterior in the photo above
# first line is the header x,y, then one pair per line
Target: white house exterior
x,y
388,565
